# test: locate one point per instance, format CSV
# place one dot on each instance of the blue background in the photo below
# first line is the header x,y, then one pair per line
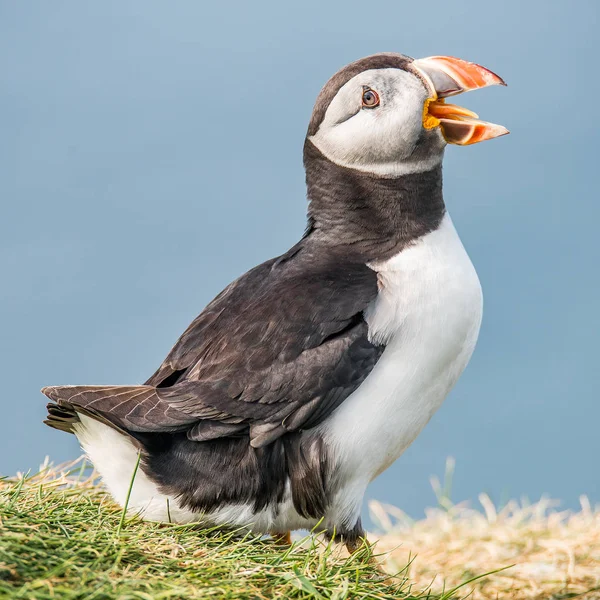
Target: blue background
x,y
150,152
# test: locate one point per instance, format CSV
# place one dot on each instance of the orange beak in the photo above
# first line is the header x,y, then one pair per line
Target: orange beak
x,y
447,76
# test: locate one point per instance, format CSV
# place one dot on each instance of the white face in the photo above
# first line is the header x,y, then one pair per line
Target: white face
x,y
383,138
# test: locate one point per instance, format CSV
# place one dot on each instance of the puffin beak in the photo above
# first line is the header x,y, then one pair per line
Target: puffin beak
x,y
447,76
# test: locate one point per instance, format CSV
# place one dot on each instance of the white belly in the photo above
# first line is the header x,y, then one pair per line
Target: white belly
x,y
427,313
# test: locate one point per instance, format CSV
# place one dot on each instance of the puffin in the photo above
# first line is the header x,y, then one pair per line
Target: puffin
x,y
309,375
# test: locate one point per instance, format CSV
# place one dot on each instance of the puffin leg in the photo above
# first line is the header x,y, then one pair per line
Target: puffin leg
x,y
355,544
282,538
354,539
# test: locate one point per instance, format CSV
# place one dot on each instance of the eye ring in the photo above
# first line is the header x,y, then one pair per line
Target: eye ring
x,y
370,98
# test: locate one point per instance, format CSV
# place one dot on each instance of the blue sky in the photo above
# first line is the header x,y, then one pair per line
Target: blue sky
x,y
151,152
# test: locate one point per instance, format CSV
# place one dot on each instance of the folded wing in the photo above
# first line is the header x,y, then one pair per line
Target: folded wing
x,y
276,351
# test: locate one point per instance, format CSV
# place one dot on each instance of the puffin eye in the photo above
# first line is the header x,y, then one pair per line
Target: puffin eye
x,y
370,98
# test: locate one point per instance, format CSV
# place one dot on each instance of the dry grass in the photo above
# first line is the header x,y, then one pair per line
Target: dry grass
x,y
555,554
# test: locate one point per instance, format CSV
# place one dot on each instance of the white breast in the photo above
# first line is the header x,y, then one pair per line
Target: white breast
x,y
427,313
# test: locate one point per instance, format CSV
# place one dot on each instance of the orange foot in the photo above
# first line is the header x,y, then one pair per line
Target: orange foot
x,y
282,539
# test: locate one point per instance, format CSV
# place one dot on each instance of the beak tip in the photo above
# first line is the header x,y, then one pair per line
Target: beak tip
x,y
493,79
495,131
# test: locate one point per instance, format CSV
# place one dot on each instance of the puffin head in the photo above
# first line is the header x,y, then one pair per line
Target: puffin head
x,y
386,114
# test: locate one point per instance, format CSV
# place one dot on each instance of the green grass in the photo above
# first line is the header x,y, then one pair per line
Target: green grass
x,y
62,537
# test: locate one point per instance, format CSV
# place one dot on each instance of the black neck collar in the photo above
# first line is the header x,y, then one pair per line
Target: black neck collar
x,y
366,217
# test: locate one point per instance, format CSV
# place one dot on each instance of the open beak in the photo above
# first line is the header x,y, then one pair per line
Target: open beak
x,y
448,76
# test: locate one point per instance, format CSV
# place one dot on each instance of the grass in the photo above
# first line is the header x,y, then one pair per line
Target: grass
x,y
61,537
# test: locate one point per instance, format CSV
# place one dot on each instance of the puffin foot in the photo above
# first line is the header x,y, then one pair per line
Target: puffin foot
x,y
354,545
355,539
282,538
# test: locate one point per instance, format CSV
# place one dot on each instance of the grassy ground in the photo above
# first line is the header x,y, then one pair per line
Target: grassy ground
x,y
62,537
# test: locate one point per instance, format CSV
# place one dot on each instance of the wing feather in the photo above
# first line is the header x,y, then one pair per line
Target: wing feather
x,y
278,350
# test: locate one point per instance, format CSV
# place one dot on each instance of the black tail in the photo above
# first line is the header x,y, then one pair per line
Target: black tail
x,y
61,417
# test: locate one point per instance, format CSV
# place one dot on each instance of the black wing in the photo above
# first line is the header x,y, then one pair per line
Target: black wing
x,y
278,350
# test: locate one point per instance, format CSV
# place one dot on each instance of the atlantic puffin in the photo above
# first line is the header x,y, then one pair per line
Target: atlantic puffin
x,y
308,376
